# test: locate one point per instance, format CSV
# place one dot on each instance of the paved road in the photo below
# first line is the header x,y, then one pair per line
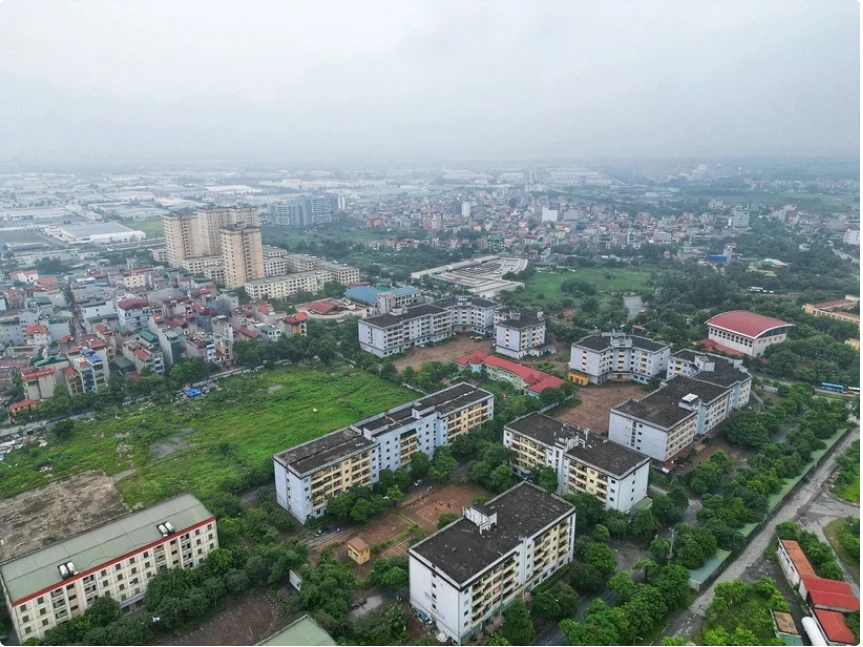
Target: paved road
x,y
808,499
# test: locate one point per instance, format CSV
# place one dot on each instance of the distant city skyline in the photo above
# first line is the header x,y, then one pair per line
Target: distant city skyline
x,y
288,83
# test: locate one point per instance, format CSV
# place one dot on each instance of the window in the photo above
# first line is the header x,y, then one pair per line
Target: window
x,y
41,600
117,567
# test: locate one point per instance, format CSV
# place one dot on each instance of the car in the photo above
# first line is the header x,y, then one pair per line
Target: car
x,y
418,483
321,531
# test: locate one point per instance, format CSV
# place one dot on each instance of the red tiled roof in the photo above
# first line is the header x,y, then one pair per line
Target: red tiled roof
x,y
36,329
23,405
142,354
833,624
836,303
297,318
743,322
798,558
535,381
324,306
35,375
131,304
248,332
831,593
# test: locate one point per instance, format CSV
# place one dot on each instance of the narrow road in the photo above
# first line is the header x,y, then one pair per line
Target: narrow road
x,y
796,507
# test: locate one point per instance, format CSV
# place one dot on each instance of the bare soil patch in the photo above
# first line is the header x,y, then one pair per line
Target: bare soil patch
x,y
461,345
57,511
596,402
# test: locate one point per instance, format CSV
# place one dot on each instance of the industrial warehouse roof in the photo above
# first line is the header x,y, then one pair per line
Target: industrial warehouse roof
x,y
363,294
461,551
662,407
597,451
38,570
748,324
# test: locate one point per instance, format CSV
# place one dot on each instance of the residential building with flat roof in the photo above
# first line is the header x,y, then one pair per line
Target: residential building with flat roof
x,y
242,257
519,332
280,287
309,474
713,369
57,583
746,332
400,329
471,313
584,462
665,422
466,573
618,357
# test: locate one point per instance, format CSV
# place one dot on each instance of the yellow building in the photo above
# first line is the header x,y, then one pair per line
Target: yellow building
x,y
359,551
242,255
577,377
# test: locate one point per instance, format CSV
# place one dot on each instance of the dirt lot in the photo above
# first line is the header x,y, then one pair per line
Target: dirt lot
x,y
461,345
248,618
426,511
57,511
596,402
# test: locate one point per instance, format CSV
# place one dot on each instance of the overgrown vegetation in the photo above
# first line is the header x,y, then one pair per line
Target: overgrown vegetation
x,y
740,614
847,483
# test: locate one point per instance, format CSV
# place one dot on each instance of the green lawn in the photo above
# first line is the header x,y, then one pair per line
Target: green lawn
x,y
543,288
849,492
290,236
851,559
153,228
229,433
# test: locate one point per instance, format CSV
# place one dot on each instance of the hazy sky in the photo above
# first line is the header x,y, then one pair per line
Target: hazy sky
x,y
331,81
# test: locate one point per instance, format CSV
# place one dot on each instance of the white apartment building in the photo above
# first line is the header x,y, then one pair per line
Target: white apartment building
x,y
279,287
198,265
465,209
467,573
666,422
584,462
720,371
57,583
344,274
620,357
309,474
519,332
746,332
471,314
851,237
398,330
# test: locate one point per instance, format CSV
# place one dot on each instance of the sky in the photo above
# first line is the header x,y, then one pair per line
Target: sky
x,y
292,81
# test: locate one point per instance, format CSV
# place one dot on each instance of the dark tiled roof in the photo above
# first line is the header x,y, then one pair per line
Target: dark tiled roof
x,y
450,302
526,318
317,453
600,343
387,320
609,457
460,551
662,407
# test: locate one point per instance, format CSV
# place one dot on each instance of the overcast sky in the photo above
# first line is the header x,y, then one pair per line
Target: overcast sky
x,y
328,81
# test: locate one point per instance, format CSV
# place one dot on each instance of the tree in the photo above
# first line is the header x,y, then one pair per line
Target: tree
x,y
103,611
602,558
644,526
395,494
341,505
600,534
672,641
586,578
501,478
63,430
622,584
645,609
659,550
446,519
362,511
588,509
665,511
443,464
420,465
555,601
547,479
673,583
616,523
517,625
677,495
396,578
389,372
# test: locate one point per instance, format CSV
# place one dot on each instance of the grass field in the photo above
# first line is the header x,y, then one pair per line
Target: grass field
x,y
543,288
851,559
849,492
226,436
290,236
153,228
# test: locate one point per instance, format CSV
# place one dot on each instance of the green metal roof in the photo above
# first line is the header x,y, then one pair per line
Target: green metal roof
x,y
39,570
304,631
150,337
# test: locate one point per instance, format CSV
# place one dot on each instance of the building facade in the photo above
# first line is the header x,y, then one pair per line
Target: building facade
x,y
584,462
619,357
242,256
309,474
57,583
280,287
465,574
519,332
746,332
192,235
398,330
471,314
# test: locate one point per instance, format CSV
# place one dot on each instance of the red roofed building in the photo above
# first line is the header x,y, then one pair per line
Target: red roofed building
x,y
747,332
19,407
793,562
37,335
295,324
831,595
530,381
832,625
322,307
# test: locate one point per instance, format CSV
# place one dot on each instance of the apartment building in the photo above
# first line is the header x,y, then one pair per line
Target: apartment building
x,y
242,257
618,357
301,262
398,330
309,474
471,314
584,462
836,309
87,372
192,235
749,333
134,313
714,369
57,583
275,266
519,332
666,422
280,287
465,574
391,299
344,274
200,265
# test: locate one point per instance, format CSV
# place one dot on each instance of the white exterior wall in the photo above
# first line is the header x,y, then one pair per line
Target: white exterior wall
x,y
628,491
787,566
741,343
652,441
599,365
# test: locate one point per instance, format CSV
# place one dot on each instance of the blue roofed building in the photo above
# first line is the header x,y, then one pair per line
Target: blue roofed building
x,y
363,294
